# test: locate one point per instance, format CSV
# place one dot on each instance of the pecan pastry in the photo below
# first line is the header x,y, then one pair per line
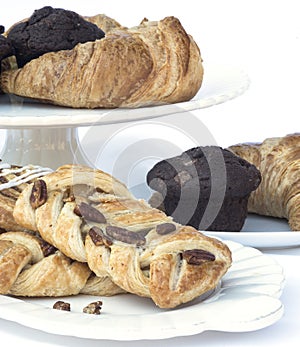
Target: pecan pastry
x,y
278,160
166,61
13,179
29,266
92,217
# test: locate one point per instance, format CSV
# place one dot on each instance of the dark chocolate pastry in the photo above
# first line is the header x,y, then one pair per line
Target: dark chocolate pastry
x,y
205,187
50,30
6,48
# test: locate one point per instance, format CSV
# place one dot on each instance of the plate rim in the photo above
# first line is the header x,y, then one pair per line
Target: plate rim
x,y
86,117
10,305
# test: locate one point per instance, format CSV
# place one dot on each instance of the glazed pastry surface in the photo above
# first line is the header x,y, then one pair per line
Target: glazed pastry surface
x,y
92,217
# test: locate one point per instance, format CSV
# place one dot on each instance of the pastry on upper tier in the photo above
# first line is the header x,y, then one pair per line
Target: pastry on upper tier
x,y
50,30
154,63
6,47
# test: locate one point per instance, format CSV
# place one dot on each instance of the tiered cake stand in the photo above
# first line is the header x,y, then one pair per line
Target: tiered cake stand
x,y
47,135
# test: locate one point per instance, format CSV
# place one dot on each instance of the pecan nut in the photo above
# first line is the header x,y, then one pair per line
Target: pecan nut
x,y
61,305
47,249
38,194
197,256
93,308
126,236
165,228
99,238
89,213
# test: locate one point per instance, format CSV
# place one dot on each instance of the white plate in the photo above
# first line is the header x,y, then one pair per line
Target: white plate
x,y
258,231
247,299
220,83
262,232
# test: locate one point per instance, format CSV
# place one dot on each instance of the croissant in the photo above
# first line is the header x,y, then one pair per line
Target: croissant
x,y
92,217
278,159
29,266
154,63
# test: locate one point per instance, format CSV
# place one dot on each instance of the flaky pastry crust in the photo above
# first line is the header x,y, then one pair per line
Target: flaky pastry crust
x,y
278,159
92,217
31,267
151,64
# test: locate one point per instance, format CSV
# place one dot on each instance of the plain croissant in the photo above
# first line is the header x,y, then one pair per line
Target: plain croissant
x,y
151,64
92,217
278,160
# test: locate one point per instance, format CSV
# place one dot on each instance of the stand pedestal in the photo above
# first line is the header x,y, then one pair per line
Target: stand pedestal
x,y
49,147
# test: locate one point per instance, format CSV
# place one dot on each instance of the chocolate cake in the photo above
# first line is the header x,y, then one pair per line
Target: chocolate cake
x,y
205,187
50,30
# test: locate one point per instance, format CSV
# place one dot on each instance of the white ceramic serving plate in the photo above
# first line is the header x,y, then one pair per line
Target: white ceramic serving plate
x,y
220,84
262,232
247,299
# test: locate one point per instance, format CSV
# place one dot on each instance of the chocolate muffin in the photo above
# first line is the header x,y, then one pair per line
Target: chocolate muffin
x,y
6,47
50,30
205,187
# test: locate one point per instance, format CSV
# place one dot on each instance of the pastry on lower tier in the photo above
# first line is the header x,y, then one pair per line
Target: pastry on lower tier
x,y
31,267
13,179
154,63
278,159
90,216
205,187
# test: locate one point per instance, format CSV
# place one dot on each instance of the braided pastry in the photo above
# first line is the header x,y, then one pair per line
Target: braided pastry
x,y
90,216
13,179
278,160
29,266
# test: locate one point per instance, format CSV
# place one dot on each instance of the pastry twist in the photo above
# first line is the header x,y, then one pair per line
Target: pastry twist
x,y
166,61
29,266
13,179
278,160
92,217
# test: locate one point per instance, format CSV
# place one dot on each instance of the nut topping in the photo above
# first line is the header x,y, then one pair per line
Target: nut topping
x,y
61,305
47,249
165,228
93,308
99,238
88,212
126,236
38,194
197,256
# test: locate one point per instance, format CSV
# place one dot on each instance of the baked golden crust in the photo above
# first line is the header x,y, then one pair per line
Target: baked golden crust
x,y
31,267
91,217
278,159
13,179
166,62
12,260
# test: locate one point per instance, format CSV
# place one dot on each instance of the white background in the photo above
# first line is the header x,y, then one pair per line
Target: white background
x,y
262,38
